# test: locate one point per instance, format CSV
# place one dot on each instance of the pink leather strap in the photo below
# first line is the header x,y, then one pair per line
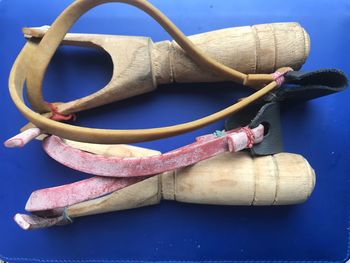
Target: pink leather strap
x,y
77,192
204,148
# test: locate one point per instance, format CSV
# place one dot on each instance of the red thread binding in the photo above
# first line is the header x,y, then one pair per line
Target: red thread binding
x,y
250,136
279,76
56,116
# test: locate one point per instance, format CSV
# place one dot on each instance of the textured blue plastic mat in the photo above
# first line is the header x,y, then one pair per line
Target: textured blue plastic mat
x,y
320,130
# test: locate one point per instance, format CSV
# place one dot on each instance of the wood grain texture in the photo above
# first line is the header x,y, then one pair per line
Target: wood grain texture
x,y
250,49
240,179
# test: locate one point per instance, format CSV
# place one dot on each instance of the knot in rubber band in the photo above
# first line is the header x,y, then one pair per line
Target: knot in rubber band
x,y
250,136
56,116
279,76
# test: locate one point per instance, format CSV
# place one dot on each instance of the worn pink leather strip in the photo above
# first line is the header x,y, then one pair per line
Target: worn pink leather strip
x,y
204,148
69,194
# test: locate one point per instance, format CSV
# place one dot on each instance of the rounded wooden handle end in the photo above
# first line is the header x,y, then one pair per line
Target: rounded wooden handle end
x,y
240,179
296,179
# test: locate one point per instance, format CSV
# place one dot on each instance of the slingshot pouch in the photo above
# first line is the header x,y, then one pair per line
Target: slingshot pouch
x,y
302,86
298,86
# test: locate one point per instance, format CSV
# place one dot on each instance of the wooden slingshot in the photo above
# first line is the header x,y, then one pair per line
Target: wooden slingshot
x,y
207,171
141,65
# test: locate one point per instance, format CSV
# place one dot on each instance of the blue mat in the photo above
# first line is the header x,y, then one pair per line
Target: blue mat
x,y
316,231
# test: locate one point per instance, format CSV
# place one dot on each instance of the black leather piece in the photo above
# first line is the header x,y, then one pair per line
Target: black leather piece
x,y
269,116
243,117
302,86
298,86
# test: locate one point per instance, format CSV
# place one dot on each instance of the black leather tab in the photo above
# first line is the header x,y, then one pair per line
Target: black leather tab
x,y
301,86
243,117
269,116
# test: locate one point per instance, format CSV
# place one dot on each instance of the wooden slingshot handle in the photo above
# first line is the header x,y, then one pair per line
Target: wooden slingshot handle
x,y
227,179
140,65
254,49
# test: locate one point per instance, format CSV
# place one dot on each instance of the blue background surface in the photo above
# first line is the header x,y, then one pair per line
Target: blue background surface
x,y
315,231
